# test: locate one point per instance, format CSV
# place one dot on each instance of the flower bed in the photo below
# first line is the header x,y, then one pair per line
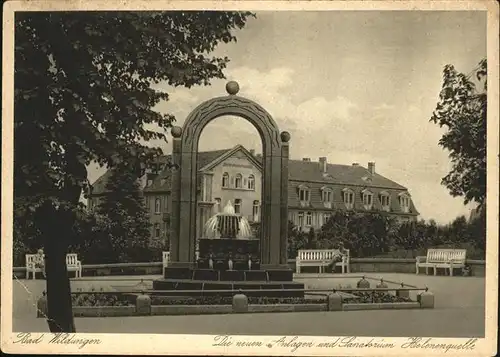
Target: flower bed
x,y
99,299
218,300
367,297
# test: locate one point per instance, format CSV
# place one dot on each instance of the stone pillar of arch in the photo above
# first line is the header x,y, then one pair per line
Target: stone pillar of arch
x,y
274,211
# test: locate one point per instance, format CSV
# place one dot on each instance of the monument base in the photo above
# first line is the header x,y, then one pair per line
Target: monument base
x,y
177,277
192,288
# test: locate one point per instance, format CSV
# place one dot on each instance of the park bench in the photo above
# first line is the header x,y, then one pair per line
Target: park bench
x,y
72,264
441,258
321,258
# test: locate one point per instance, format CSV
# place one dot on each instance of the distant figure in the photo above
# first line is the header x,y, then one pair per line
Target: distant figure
x,y
40,261
466,270
342,250
338,257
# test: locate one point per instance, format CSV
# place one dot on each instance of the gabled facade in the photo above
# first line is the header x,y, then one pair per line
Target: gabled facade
x,y
315,190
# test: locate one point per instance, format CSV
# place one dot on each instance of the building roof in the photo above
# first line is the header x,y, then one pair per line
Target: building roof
x,y
339,174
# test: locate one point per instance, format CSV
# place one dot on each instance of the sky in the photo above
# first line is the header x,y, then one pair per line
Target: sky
x,y
354,86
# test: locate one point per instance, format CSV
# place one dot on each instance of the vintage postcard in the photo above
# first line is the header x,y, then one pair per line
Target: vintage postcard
x,y
279,178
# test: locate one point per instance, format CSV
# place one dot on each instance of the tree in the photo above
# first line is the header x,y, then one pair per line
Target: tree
x,y
126,221
297,240
477,231
84,93
411,236
459,230
312,242
364,234
462,110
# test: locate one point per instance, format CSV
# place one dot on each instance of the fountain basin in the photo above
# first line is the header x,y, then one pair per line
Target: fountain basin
x,y
192,288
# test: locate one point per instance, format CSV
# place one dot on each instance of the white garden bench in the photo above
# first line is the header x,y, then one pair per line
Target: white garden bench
x,y
166,258
72,264
441,258
321,258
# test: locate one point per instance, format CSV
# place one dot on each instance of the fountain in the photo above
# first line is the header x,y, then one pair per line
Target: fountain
x,y
229,259
228,243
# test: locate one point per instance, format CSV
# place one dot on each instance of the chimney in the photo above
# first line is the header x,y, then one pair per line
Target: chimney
x,y
306,159
252,152
355,164
371,167
322,164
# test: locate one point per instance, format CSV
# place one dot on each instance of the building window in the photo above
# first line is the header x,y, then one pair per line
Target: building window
x,y
327,197
149,182
326,217
348,198
256,211
165,204
251,182
300,220
404,202
225,180
237,206
367,199
320,219
157,206
217,205
304,195
385,201
309,219
237,181
157,230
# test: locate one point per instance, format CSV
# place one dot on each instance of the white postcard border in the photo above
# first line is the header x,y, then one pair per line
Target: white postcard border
x,y
204,344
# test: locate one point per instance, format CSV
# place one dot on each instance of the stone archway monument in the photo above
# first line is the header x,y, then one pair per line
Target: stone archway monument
x,y
274,211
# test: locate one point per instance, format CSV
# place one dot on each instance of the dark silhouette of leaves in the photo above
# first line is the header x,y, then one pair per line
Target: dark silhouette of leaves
x,y
462,111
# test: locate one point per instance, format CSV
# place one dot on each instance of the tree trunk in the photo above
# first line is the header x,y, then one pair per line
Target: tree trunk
x,y
55,226
60,312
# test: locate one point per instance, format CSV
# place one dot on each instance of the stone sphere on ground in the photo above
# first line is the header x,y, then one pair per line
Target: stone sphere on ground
x,y
382,284
232,87
363,284
240,303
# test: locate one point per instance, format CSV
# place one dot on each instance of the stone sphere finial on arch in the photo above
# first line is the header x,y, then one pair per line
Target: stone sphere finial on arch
x,y
285,136
176,131
232,87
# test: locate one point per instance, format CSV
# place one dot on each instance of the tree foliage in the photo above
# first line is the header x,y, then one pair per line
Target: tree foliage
x,y
297,240
85,91
364,234
411,236
462,110
372,235
84,86
123,218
